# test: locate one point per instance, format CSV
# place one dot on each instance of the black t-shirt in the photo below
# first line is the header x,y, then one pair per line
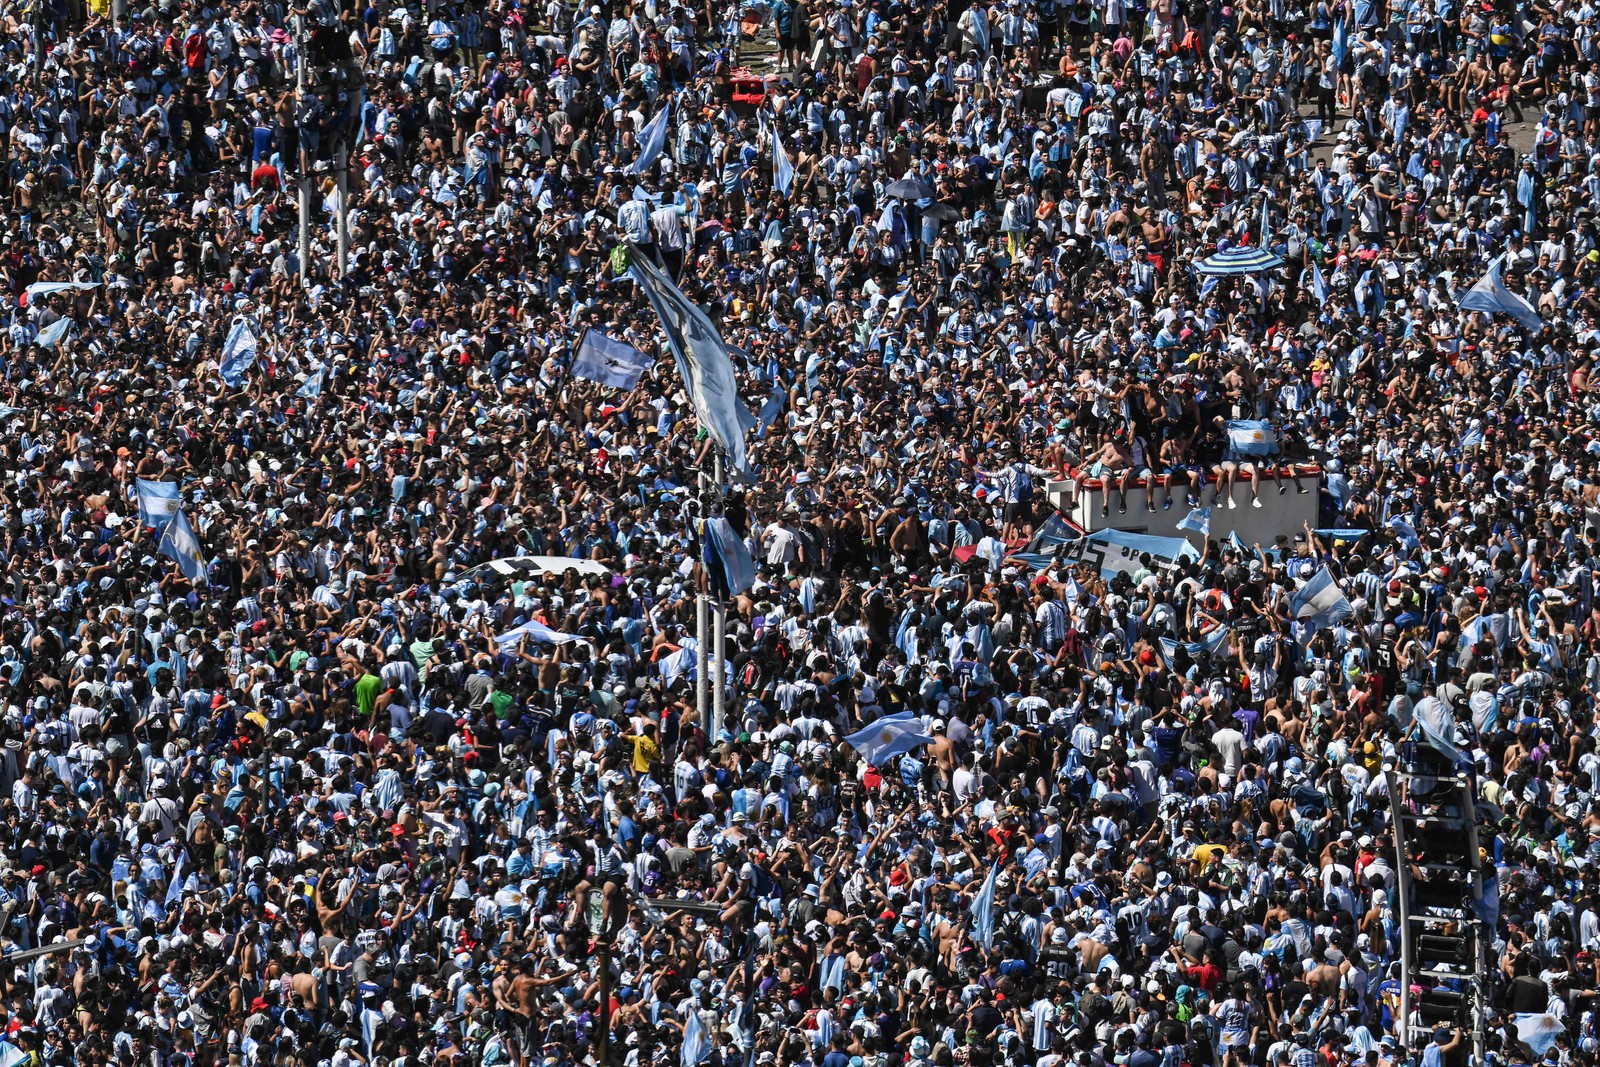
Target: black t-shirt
x,y
985,1019
1529,994
438,725
1293,991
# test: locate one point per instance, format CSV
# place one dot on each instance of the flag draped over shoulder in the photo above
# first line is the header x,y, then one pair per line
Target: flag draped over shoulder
x,y
238,354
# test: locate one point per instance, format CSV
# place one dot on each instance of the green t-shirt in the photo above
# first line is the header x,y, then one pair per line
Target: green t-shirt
x,y
500,702
367,693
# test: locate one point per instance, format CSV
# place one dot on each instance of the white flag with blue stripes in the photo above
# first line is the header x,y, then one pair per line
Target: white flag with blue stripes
x,y
1319,284
702,358
180,543
888,737
696,1039
1490,295
609,361
727,558
1198,520
158,502
782,168
54,333
651,140
983,909
238,353
1320,601
1252,437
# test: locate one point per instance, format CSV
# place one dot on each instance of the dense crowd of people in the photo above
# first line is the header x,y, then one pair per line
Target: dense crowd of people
x,y
277,788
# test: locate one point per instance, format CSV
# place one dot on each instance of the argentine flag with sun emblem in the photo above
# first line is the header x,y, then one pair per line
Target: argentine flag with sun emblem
x,y
888,737
1252,437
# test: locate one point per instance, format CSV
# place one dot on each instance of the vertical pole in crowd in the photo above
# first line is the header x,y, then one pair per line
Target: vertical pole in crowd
x,y
602,951
342,165
702,637
38,36
719,660
302,163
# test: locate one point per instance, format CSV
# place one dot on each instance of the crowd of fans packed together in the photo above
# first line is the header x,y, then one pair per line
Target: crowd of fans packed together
x,y
300,806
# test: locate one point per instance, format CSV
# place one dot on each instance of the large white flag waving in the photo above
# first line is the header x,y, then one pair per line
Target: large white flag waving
x,y
1491,295
702,358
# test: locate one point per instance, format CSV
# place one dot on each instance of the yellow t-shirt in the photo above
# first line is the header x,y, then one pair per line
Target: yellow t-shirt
x,y
645,752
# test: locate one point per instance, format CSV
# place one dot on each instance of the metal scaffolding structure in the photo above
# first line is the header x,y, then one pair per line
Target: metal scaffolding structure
x,y
1444,944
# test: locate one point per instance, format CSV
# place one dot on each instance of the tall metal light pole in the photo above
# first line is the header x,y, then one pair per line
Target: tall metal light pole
x,y
342,168
702,637
719,651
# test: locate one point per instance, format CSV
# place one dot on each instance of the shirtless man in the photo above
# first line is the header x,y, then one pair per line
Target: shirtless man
x,y
1113,462
517,999
1323,978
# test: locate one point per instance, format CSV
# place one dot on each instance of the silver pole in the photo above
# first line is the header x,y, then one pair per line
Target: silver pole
x,y
343,164
702,637
1402,870
719,666
305,169
702,684
719,652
